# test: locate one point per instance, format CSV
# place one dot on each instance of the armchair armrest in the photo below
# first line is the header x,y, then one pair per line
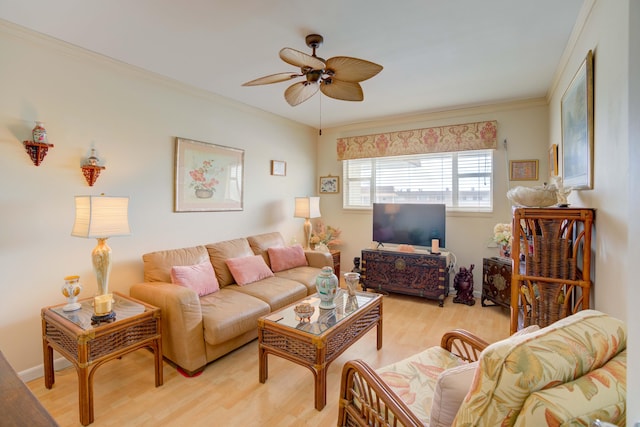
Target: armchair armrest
x,y
182,329
319,259
365,400
463,344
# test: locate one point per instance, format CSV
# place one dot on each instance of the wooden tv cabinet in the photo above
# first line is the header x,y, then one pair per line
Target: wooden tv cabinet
x,y
413,273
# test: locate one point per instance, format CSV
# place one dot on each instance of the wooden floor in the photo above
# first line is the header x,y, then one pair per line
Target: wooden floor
x,y
228,392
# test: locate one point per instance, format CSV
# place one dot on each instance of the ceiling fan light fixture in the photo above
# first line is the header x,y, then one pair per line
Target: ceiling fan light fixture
x,y
338,77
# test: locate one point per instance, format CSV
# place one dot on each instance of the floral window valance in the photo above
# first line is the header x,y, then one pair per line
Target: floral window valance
x,y
468,136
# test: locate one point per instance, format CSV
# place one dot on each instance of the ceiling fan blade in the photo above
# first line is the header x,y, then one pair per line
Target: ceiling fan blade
x,y
350,69
299,92
273,78
338,89
300,59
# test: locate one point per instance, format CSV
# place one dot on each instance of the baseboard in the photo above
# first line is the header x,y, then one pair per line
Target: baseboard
x,y
38,371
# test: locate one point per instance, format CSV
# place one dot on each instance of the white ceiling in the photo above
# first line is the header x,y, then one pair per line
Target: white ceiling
x,y
437,54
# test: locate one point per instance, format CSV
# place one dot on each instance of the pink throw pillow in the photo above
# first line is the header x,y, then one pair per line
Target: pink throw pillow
x,y
200,277
286,258
248,269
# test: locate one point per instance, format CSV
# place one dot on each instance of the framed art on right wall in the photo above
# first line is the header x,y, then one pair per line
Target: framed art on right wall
x,y
577,128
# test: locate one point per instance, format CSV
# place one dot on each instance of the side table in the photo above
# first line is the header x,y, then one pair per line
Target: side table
x,y
87,347
335,254
496,281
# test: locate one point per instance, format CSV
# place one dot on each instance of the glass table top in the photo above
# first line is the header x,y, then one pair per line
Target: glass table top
x,y
82,317
322,319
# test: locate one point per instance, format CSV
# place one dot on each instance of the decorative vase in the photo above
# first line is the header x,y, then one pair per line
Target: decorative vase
x,y
352,280
505,251
204,193
39,133
71,289
327,285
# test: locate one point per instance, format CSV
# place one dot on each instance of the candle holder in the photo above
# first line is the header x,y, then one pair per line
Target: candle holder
x,y
102,311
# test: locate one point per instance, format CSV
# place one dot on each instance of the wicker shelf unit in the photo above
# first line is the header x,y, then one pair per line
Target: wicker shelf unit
x,y
551,256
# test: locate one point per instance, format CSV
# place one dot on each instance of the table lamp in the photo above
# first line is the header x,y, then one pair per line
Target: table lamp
x,y
307,207
101,217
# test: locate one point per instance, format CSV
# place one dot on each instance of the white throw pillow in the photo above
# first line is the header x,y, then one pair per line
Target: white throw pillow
x,y
452,386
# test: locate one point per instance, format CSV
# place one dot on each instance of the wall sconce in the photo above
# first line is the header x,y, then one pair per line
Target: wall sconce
x,y
38,147
91,169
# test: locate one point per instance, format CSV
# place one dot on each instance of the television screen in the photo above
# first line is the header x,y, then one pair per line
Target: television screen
x,y
410,224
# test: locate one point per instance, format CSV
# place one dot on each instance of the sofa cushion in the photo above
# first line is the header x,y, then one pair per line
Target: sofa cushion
x,y
414,378
600,394
248,269
285,258
305,275
512,369
275,291
227,314
260,243
157,265
200,277
221,251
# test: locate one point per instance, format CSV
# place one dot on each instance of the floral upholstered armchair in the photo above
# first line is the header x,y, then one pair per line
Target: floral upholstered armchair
x,y
572,372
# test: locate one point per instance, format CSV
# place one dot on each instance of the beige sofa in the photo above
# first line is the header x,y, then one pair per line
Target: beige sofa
x,y
199,329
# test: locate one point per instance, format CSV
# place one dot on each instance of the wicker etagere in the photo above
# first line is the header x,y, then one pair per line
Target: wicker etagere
x,y
551,254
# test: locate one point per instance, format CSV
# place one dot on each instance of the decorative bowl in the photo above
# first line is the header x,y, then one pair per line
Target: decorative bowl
x,y
304,311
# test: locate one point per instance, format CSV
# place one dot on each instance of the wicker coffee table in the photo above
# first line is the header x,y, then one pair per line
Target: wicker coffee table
x,y
87,347
315,344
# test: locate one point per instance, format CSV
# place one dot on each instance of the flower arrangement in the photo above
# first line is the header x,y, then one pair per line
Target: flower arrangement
x,y
502,234
204,177
326,235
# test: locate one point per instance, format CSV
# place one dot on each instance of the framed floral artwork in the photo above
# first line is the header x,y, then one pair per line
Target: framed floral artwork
x,y
329,184
208,177
577,128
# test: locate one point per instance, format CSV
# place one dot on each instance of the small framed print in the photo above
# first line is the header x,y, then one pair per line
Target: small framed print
x,y
523,170
329,184
278,167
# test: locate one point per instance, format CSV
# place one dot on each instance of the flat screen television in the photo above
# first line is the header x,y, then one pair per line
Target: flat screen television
x,y
409,223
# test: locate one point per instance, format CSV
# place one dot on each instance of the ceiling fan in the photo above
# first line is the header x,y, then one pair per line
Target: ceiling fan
x,y
337,77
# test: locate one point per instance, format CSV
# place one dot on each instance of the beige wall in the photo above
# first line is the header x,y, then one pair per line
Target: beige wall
x,y
132,118
523,124
608,32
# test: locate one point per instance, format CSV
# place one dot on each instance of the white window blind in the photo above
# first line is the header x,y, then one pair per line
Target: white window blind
x,y
462,180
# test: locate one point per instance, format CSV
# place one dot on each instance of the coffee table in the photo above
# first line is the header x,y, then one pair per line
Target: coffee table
x,y
318,342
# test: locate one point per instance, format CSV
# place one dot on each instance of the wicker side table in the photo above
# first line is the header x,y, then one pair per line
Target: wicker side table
x,y
87,347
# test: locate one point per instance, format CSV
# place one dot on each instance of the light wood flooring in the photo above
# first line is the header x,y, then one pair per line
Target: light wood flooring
x,y
228,392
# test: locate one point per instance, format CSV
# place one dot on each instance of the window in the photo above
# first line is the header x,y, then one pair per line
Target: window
x,y
462,180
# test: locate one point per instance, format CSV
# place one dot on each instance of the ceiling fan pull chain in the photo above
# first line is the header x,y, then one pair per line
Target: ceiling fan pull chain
x,y
320,125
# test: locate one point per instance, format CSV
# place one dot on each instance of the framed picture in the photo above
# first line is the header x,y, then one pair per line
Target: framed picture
x,y
523,170
577,128
329,184
278,167
553,160
208,177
